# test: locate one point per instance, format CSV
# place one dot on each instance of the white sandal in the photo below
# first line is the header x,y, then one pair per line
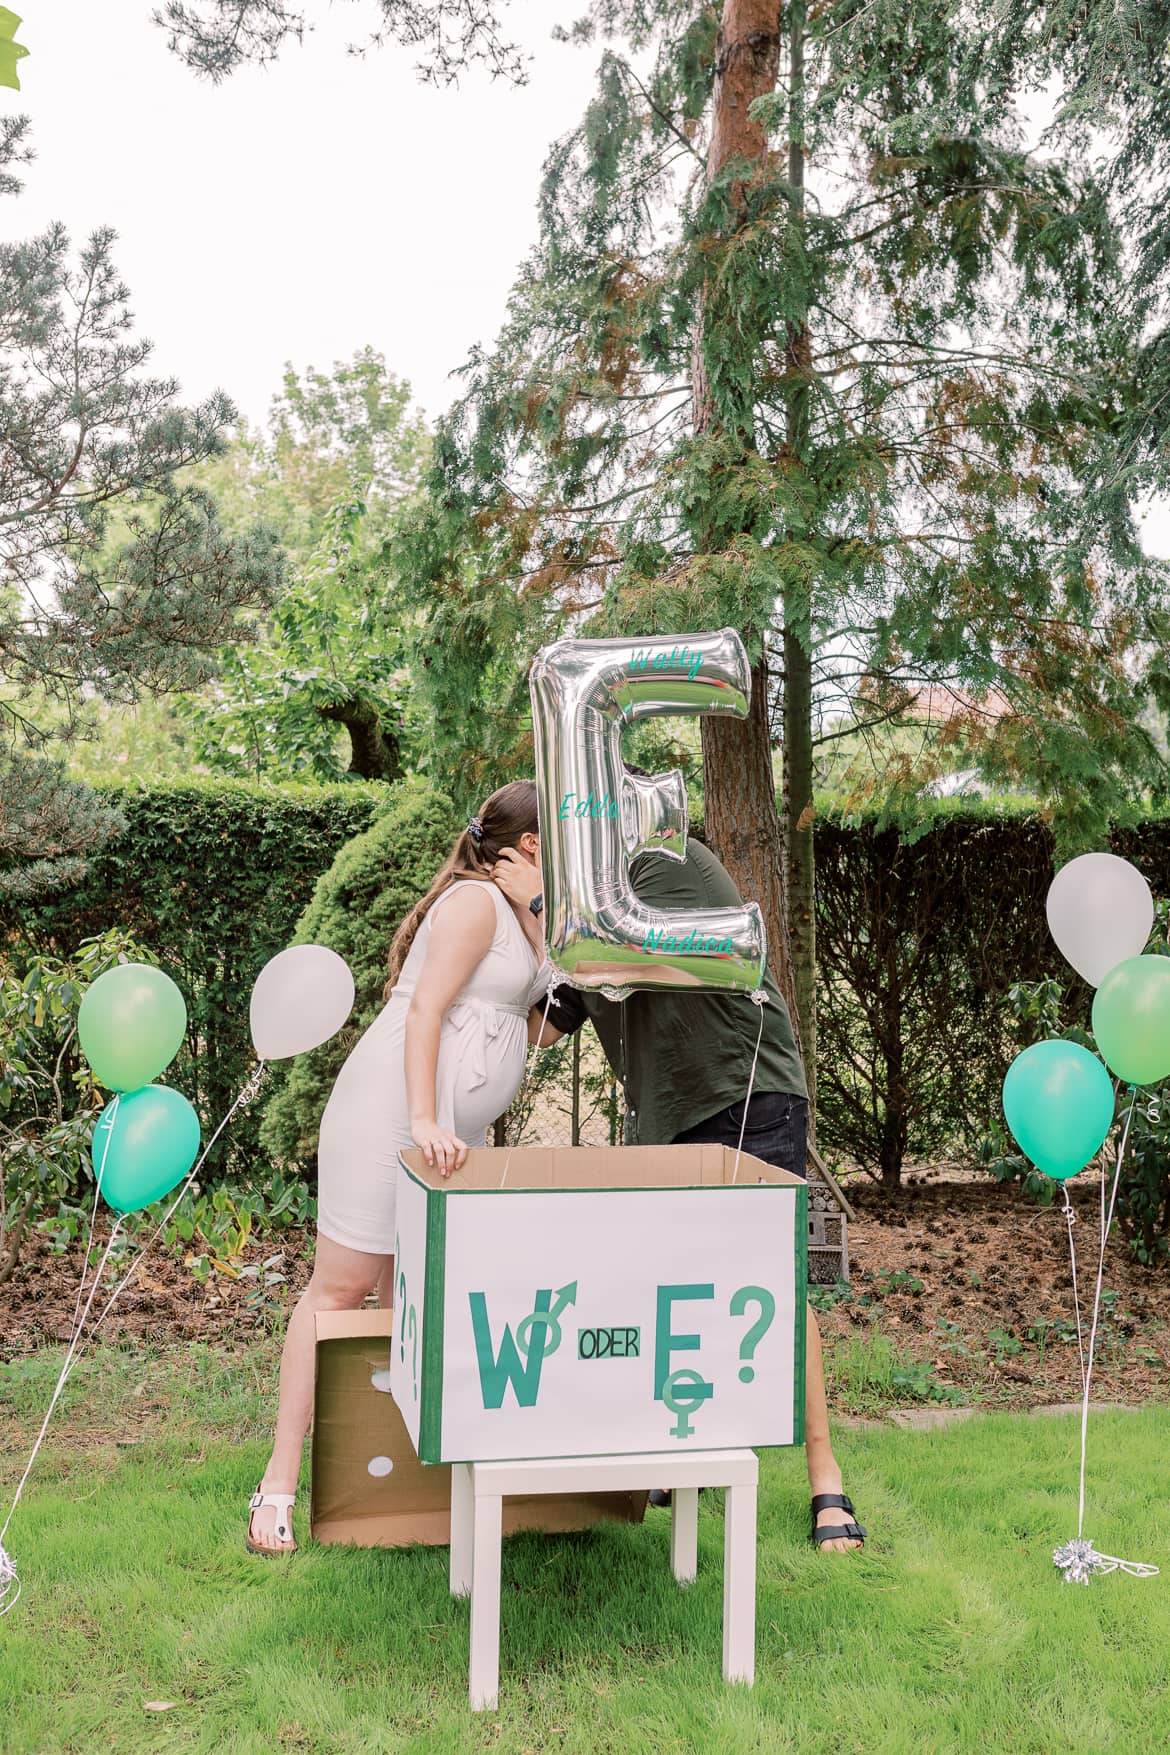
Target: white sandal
x,y
282,1504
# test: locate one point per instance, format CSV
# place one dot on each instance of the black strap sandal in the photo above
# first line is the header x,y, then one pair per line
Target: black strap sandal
x,y
834,1532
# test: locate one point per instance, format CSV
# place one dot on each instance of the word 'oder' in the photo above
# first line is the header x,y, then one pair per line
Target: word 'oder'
x,y
608,1343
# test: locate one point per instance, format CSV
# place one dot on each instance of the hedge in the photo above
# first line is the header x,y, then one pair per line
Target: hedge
x,y
920,935
355,910
919,938
212,876
918,941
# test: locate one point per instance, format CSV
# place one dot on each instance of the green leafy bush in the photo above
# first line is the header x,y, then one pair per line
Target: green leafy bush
x,y
48,1098
920,930
209,878
356,909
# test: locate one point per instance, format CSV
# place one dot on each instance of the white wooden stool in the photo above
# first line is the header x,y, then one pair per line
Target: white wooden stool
x,y
477,1493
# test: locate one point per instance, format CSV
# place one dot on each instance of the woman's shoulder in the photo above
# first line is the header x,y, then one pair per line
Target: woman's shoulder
x,y
469,900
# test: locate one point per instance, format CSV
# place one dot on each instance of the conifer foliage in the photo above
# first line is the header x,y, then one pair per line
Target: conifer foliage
x,y
816,342
114,579
215,37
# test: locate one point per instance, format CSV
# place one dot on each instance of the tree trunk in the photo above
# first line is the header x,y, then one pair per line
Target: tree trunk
x,y
374,753
742,824
11,1238
798,682
798,838
747,65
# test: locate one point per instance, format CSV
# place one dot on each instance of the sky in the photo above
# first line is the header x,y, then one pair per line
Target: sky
x,y
297,212
302,211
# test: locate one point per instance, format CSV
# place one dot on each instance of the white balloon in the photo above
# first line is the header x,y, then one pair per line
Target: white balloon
x,y
1100,912
302,997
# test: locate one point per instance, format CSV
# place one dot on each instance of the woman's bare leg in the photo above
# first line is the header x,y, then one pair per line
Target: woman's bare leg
x,y
824,1474
341,1279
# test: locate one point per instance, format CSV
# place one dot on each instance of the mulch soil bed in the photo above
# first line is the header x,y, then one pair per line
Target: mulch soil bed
x,y
955,1272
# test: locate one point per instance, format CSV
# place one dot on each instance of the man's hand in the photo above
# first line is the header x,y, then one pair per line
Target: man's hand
x,y
439,1147
517,877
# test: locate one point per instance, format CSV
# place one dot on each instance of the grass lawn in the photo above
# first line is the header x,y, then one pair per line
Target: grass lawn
x,y
952,1632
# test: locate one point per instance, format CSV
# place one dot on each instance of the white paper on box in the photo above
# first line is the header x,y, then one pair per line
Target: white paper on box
x,y
406,1350
583,1322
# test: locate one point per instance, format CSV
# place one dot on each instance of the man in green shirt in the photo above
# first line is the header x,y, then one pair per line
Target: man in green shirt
x,y
684,1061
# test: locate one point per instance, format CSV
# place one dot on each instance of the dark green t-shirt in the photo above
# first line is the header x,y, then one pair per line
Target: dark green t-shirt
x,y
682,1057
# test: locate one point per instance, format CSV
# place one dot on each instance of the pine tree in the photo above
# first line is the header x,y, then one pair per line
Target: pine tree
x,y
1107,62
815,345
215,37
114,580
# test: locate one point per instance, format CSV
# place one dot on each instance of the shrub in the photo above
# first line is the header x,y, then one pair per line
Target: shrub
x,y
48,1099
355,910
919,936
210,878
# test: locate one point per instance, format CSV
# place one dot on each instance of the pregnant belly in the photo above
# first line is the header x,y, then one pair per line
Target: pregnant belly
x,y
479,1075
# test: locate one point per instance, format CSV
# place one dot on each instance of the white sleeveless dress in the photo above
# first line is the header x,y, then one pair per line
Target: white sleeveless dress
x,y
483,1044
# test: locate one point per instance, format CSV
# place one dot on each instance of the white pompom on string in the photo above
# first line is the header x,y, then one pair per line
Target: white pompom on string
x,y
1078,1560
9,1582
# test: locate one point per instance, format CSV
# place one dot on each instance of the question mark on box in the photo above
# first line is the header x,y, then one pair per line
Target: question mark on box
x,y
412,1325
755,1334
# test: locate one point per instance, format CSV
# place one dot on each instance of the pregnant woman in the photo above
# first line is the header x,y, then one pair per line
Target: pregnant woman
x,y
443,1059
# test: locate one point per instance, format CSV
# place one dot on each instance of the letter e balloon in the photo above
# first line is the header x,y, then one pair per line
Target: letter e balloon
x,y
599,933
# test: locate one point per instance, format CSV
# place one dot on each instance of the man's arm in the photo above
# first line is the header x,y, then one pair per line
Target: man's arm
x,y
566,1014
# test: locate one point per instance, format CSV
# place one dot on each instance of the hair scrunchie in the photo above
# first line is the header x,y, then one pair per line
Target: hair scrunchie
x,y
475,830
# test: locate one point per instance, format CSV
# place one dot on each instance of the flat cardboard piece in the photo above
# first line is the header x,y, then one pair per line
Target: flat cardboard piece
x,y
552,1167
356,1423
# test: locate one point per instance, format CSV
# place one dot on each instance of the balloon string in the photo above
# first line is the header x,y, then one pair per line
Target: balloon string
x,y
97,1188
1070,1220
759,999
1078,1560
1088,1375
527,1053
9,1581
1105,1178
248,1091
65,1369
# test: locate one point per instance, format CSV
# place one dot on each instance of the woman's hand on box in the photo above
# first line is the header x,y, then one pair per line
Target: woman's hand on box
x,y
442,1149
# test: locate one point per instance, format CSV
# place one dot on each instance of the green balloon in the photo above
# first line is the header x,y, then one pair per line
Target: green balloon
x,y
1058,1100
130,1025
1131,1019
143,1144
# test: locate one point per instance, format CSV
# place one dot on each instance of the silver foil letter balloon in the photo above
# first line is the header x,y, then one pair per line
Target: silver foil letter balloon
x,y
595,817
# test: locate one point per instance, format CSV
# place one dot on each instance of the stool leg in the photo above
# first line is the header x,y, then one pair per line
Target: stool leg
x,y
462,1525
485,1603
739,1586
684,1533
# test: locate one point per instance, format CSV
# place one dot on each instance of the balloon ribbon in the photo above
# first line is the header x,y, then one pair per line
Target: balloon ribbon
x,y
1078,1560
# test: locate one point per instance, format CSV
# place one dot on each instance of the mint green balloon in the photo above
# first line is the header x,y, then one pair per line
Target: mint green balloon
x,y
1131,1019
143,1144
1058,1100
130,1025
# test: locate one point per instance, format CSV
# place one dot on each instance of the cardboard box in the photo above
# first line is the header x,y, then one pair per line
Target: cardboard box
x,y
357,1431
590,1302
